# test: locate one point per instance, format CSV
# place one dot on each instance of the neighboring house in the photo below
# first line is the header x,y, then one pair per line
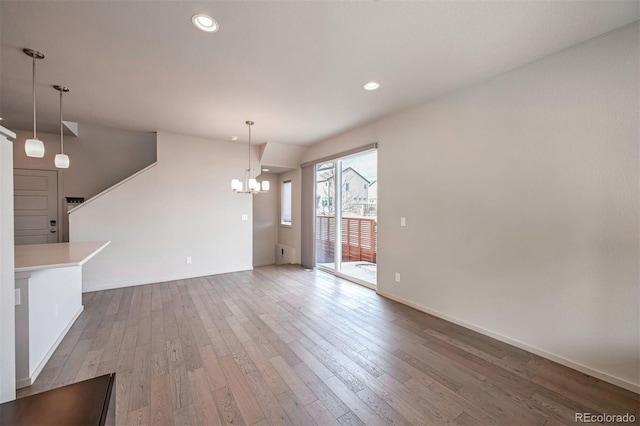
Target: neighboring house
x,y
372,195
355,192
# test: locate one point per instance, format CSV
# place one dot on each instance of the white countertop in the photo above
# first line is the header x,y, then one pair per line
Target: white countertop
x,y
33,257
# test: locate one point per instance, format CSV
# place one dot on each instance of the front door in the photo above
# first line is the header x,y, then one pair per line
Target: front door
x,y
35,206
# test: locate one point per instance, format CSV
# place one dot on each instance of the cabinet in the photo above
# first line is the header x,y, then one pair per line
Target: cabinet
x,y
90,402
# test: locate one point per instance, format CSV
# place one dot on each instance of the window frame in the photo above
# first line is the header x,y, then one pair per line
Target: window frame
x,y
283,200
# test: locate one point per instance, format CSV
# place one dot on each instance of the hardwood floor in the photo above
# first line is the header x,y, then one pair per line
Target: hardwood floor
x,y
280,345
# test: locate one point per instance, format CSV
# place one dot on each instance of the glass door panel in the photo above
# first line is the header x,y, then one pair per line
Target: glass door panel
x,y
325,216
346,237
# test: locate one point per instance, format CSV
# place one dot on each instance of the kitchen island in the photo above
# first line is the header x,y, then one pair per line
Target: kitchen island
x,y
48,283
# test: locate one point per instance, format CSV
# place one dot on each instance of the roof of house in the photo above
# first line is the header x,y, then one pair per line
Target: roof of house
x,y
328,174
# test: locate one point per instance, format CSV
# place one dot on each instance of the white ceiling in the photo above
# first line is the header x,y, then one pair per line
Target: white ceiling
x,y
294,67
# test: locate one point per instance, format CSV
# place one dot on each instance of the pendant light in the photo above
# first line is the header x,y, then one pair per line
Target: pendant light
x,y
249,185
34,147
61,160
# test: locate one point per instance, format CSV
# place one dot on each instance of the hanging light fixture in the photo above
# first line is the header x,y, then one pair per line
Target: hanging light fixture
x,y
249,185
34,147
62,159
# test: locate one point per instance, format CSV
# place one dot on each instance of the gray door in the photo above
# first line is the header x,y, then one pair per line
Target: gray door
x,y
35,206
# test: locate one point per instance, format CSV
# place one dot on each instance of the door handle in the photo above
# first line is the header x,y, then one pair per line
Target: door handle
x,y
53,222
53,231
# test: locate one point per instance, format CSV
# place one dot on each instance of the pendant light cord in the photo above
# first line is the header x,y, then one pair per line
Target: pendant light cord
x,y
61,127
34,97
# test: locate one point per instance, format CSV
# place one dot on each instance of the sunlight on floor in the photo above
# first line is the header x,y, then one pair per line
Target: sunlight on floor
x,y
364,271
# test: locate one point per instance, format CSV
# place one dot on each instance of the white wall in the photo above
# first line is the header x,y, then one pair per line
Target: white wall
x,y
100,157
281,155
266,221
290,235
521,198
7,307
182,207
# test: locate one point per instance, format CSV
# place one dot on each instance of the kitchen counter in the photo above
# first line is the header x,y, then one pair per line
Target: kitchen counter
x,y
48,299
34,257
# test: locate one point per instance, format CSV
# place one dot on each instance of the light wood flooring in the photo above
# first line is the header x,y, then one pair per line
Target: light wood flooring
x,y
283,346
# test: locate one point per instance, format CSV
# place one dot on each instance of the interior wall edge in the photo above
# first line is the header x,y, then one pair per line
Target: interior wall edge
x,y
155,281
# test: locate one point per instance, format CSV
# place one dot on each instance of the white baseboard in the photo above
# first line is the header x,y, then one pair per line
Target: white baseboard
x,y
22,383
155,281
548,355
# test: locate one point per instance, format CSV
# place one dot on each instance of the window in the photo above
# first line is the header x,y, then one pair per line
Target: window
x,y
285,218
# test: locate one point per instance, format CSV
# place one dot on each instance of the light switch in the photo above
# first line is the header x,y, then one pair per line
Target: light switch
x,y
245,217
403,221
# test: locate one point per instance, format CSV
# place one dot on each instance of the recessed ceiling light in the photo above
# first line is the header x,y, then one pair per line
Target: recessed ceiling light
x,y
265,170
205,23
234,138
372,85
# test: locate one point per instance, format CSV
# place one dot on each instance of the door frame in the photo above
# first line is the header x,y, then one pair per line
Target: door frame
x,y
337,188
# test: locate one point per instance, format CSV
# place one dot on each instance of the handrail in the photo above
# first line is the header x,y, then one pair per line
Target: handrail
x,y
111,188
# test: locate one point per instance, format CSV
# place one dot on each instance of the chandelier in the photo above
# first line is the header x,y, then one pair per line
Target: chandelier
x,y
249,185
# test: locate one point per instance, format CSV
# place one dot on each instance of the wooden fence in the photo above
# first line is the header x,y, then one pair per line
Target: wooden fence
x,y
359,239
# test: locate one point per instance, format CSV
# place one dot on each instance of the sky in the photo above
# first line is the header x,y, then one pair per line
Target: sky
x,y
365,164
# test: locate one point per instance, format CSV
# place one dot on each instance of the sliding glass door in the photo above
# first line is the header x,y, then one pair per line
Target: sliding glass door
x,y
346,209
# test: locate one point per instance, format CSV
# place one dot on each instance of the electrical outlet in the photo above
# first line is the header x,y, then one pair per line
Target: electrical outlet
x,y
403,221
245,217
18,298
187,260
397,277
